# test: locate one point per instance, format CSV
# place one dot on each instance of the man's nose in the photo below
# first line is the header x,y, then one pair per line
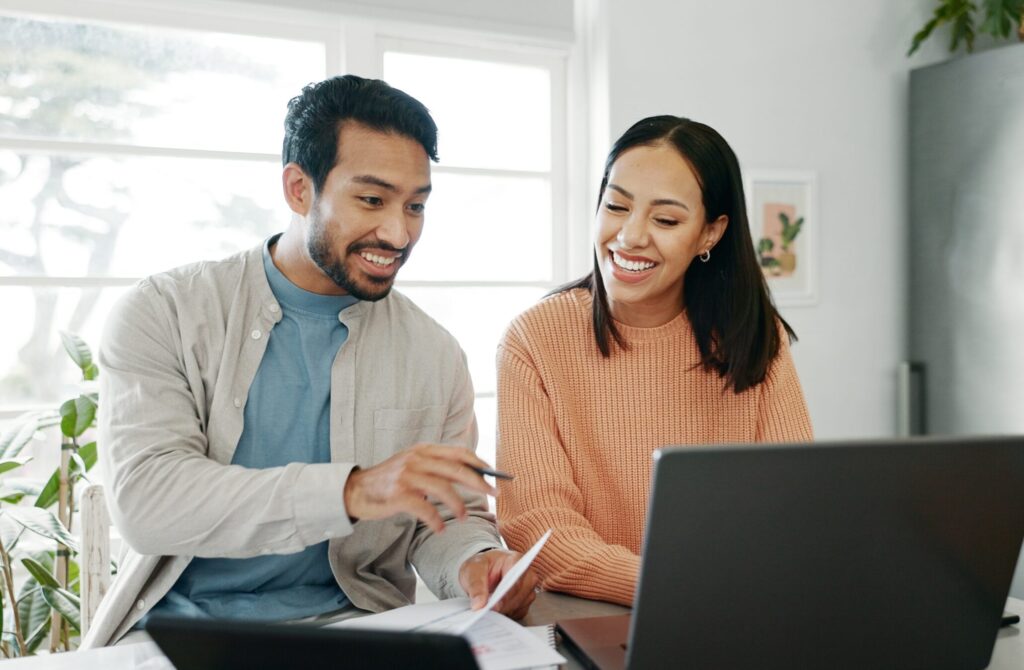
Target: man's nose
x,y
394,230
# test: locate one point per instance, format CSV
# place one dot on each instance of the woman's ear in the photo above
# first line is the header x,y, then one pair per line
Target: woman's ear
x,y
298,189
714,231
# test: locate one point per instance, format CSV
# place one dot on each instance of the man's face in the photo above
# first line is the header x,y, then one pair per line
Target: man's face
x,y
365,220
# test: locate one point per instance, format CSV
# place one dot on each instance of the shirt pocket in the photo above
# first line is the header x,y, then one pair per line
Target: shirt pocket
x,y
398,429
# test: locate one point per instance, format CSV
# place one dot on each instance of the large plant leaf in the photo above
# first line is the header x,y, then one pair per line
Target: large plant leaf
x,y
74,574
88,452
13,489
958,13
10,532
41,632
77,415
51,491
77,349
12,643
8,464
923,34
33,610
40,573
1000,15
66,603
43,522
23,429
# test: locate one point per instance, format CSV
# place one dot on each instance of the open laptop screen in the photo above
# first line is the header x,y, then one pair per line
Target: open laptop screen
x,y
846,555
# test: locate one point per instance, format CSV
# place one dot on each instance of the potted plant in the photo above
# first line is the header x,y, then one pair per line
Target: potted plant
x,y
997,20
39,590
790,229
764,252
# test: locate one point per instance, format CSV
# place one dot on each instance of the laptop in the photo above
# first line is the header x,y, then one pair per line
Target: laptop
x,y
887,554
204,644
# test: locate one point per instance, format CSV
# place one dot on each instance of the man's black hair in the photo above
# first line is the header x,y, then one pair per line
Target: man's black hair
x,y
315,118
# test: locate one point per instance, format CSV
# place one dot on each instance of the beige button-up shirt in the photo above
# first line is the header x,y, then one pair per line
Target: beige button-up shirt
x,y
179,353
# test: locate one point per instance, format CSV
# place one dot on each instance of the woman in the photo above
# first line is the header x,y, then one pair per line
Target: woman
x,y
671,339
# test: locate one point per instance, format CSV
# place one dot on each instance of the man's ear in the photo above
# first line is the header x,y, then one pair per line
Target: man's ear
x,y
298,189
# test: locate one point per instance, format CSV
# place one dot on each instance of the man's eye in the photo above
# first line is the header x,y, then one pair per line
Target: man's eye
x,y
417,207
372,200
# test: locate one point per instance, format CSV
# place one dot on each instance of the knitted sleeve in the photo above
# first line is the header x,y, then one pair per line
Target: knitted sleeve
x,y
782,412
544,494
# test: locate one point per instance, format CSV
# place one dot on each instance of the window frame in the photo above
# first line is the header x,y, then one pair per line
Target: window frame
x,y
355,44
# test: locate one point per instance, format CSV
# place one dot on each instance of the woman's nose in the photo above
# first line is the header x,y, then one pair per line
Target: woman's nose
x,y
632,234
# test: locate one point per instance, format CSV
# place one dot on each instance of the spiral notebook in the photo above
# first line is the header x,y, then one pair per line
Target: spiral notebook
x,y
546,635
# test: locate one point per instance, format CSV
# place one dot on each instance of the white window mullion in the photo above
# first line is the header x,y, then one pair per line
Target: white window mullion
x,y
359,55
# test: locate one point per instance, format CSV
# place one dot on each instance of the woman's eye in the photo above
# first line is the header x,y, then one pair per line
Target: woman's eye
x,y
667,222
612,207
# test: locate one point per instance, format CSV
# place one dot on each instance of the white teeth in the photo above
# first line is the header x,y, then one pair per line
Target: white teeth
x,y
632,266
378,260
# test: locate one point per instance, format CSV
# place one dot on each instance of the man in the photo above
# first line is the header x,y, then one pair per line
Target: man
x,y
282,435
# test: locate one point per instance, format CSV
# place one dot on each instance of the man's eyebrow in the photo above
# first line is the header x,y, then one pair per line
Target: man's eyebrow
x,y
377,181
374,181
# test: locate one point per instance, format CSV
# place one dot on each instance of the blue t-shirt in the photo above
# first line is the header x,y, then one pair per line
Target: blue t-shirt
x,y
287,420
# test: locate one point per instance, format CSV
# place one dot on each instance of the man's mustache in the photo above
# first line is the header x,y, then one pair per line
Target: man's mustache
x,y
356,247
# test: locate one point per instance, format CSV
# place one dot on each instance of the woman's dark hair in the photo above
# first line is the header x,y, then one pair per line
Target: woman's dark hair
x,y
316,115
726,299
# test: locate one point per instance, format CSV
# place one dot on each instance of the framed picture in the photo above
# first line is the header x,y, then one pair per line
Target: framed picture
x,y
784,226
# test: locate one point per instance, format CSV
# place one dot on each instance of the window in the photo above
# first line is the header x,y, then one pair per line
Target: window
x,y
126,149
135,141
491,245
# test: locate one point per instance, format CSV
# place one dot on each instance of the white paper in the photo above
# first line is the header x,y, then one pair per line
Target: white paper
x,y
410,617
498,642
509,580
501,644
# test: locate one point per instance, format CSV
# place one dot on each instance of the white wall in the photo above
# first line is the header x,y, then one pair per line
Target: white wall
x,y
801,85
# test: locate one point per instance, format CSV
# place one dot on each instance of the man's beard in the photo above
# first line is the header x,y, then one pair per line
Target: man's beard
x,y
319,249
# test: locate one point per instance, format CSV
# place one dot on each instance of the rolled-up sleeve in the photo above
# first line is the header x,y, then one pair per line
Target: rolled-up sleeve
x,y
439,557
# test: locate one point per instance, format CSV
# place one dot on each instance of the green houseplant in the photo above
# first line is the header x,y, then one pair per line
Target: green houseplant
x,y
790,229
997,18
783,261
46,604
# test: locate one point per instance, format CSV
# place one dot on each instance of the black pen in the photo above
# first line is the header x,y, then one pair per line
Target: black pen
x,y
493,473
1009,620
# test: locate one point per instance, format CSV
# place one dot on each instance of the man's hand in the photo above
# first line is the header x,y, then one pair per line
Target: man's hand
x,y
480,574
403,482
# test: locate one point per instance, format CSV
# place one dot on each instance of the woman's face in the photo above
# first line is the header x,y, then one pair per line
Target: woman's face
x,y
650,226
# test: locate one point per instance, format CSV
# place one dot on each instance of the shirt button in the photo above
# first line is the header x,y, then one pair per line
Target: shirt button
x,y
141,604
238,402
256,334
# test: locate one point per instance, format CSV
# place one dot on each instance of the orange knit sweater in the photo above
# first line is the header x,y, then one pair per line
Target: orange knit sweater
x,y
578,431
